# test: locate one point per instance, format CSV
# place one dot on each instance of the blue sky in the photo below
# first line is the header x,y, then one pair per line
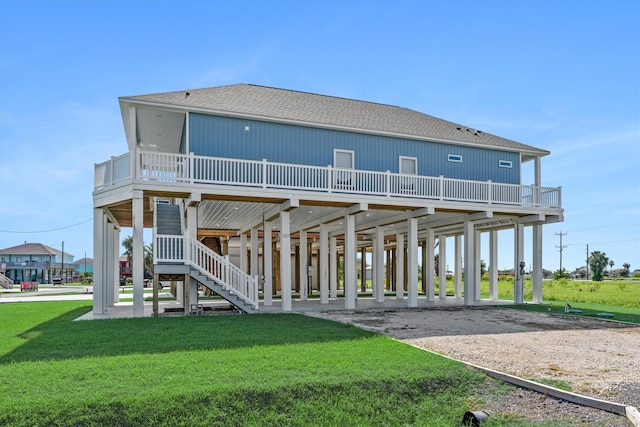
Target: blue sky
x,y
559,75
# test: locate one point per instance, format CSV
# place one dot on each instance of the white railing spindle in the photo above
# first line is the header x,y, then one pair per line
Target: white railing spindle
x,y
181,168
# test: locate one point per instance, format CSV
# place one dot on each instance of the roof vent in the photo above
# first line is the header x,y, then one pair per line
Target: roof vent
x,y
186,94
458,127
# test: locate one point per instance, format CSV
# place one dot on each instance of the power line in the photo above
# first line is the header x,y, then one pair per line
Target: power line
x,y
47,231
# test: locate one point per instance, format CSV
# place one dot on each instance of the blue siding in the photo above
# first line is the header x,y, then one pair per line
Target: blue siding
x,y
226,137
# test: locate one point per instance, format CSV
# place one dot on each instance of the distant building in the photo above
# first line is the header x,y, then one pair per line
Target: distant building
x,y
35,262
85,265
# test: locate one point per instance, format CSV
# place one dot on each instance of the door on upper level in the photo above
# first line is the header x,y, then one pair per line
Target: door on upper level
x,y
408,166
343,175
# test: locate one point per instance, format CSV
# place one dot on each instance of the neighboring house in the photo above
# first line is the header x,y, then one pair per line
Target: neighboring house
x,y
231,178
124,269
35,262
85,265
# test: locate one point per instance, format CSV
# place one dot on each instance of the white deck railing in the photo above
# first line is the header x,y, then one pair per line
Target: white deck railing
x,y
182,249
192,169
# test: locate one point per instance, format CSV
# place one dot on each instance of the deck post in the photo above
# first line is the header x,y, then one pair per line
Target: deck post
x,y
378,263
478,262
285,260
469,262
518,252
323,260
244,264
399,266
428,269
111,249
333,267
115,265
457,274
267,266
493,265
254,251
99,266
137,271
303,263
537,263
442,266
350,262
412,262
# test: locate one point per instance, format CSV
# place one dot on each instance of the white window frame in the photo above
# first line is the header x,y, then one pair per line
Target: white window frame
x,y
505,164
415,165
337,152
456,158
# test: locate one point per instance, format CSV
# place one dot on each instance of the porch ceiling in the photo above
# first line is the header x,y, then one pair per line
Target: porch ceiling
x,y
229,217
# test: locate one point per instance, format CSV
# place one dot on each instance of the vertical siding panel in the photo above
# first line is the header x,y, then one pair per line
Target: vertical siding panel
x,y
226,137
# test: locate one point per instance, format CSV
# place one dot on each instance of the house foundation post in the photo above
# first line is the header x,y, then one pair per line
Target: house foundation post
x,y
478,264
114,265
333,267
267,264
112,260
518,251
442,266
244,260
137,271
285,260
457,274
428,269
254,252
536,274
399,266
303,266
378,264
493,265
350,273
99,265
412,262
192,232
323,267
469,261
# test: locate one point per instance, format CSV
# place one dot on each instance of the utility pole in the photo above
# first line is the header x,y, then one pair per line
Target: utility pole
x,y
62,268
561,247
587,261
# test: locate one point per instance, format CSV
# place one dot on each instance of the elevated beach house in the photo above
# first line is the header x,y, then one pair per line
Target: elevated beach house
x,y
267,196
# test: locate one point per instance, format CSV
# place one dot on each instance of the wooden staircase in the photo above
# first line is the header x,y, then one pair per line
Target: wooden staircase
x,y
177,254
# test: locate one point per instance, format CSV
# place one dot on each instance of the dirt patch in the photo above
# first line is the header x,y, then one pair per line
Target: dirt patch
x,y
595,357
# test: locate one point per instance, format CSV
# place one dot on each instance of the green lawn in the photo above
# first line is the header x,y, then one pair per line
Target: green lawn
x,y
280,369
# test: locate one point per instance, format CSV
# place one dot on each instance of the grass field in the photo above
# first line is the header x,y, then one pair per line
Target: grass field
x,y
277,369
282,369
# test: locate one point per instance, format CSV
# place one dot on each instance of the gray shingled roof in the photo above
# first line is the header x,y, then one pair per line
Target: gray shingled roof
x,y
322,110
32,249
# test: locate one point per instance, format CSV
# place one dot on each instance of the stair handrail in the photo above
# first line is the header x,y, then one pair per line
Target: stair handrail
x,y
221,269
5,282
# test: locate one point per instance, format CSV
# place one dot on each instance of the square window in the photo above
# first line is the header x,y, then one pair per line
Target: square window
x,y
408,165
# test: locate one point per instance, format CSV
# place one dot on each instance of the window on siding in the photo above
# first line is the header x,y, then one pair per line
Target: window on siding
x,y
408,165
454,158
343,159
505,163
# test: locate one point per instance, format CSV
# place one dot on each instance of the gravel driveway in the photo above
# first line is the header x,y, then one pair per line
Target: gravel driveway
x,y
597,358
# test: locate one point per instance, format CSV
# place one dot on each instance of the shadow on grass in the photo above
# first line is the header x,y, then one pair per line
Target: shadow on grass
x,y
62,338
